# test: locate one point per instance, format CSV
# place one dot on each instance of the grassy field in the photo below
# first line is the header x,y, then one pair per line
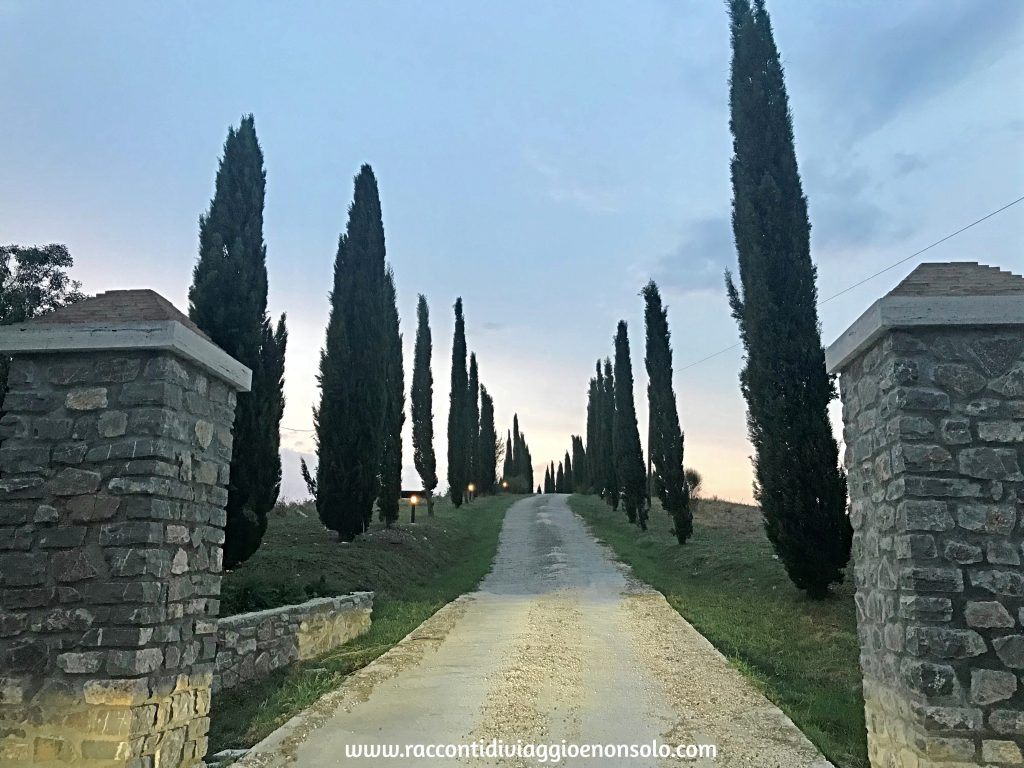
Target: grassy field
x,y
726,582
414,570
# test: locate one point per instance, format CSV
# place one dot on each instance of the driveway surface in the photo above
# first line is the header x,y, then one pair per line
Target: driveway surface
x,y
559,643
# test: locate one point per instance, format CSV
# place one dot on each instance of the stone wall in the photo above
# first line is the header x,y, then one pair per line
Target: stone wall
x,y
113,467
251,645
934,431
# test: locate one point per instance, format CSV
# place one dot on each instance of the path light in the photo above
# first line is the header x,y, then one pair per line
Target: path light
x,y
472,491
413,501
504,484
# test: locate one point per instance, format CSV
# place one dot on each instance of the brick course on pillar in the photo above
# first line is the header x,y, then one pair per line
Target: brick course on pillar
x,y
932,384
114,460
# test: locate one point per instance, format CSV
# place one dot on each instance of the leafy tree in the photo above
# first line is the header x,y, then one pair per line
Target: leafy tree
x,y
394,409
487,452
629,459
457,430
33,281
798,482
473,423
228,301
422,397
350,418
665,447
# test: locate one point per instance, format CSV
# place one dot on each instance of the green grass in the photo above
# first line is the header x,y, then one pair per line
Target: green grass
x,y
414,571
802,654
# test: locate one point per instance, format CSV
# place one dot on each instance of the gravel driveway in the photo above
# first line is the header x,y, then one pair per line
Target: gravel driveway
x,y
560,643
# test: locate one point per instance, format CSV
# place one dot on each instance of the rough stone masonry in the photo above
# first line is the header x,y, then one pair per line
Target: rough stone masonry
x,y
116,445
932,384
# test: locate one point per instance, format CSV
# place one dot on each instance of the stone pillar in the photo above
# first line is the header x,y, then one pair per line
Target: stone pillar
x,y
932,383
116,444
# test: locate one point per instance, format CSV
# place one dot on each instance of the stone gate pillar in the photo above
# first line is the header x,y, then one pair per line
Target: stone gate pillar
x,y
116,444
932,383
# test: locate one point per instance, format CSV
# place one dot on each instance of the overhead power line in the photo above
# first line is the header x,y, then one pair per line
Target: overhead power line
x,y
876,274
840,293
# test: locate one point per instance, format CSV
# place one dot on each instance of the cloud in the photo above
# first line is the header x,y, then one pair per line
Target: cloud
x,y
562,187
906,163
926,53
699,261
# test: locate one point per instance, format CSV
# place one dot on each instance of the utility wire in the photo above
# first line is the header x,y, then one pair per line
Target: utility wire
x,y
876,274
840,293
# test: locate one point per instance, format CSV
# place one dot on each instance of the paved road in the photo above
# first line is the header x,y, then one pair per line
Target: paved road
x,y
560,642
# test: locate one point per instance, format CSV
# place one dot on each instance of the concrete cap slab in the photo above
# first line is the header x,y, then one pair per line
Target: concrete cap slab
x,y
936,294
124,320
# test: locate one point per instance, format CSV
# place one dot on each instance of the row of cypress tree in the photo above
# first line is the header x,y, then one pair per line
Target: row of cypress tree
x,y
799,483
611,461
472,435
517,470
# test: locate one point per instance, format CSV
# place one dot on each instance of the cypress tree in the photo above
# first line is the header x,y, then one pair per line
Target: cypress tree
x,y
610,470
560,479
422,397
517,447
228,301
666,437
473,423
798,482
508,468
350,418
487,452
547,480
567,463
629,459
527,463
394,409
457,449
581,483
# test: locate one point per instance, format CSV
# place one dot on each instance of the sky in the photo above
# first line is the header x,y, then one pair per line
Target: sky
x,y
542,160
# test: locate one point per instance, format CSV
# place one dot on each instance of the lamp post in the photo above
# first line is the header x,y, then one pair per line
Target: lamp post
x,y
472,491
504,485
413,501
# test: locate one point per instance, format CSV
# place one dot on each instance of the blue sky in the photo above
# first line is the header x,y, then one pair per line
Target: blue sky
x,y
542,160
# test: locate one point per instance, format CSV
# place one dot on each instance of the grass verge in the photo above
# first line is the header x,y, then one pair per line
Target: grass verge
x,y
802,654
414,571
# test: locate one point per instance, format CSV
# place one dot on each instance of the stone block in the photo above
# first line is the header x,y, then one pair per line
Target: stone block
x,y
86,399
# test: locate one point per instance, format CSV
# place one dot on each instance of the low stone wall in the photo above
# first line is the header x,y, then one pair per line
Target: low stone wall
x,y
251,645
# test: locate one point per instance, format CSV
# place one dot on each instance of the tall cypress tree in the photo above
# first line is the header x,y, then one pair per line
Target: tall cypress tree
x,y
608,407
508,468
548,484
394,409
457,448
629,458
422,397
350,418
487,451
581,484
560,479
473,423
666,437
798,482
228,301
526,463
517,447
567,463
